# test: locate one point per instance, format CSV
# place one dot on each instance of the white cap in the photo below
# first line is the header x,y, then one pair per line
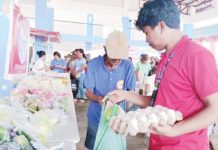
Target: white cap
x,y
117,45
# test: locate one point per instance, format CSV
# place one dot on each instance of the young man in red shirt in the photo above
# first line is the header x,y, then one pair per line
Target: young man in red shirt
x,y
186,79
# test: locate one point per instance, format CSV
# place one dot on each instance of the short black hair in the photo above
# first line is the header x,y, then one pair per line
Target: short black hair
x,y
57,54
40,53
154,11
81,51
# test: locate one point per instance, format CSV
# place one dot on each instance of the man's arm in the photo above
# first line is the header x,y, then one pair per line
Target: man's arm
x,y
61,67
137,75
91,96
139,100
137,72
202,119
52,65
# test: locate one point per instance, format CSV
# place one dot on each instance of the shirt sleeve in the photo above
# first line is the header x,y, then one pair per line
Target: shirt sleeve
x,y
137,67
130,79
52,63
84,61
89,81
204,74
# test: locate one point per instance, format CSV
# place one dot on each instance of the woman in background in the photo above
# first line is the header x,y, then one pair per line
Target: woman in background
x,y
79,71
40,65
58,64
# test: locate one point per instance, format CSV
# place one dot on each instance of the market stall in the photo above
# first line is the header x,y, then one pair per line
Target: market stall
x,y
45,103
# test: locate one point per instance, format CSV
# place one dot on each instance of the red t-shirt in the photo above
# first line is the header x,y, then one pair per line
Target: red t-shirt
x,y
190,76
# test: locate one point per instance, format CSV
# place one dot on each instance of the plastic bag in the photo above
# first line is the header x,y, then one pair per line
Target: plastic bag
x,y
107,139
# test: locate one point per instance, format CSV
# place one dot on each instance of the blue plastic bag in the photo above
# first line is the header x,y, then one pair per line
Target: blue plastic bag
x,y
107,139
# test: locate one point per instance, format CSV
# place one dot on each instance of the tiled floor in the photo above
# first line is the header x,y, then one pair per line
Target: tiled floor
x,y
133,143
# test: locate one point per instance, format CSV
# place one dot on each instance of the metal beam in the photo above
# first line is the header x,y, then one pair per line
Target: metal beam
x,y
204,8
191,2
203,2
185,7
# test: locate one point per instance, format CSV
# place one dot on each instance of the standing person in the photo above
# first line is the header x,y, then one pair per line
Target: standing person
x,y
149,83
58,64
40,65
102,76
79,71
142,69
187,80
74,81
68,60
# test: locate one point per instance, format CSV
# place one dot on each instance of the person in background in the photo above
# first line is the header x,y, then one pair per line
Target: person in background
x,y
65,57
72,62
79,72
40,65
102,76
130,59
142,69
68,59
149,83
58,64
187,80
152,61
74,81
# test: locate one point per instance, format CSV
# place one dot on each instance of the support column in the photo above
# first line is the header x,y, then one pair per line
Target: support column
x,y
89,31
126,24
50,27
44,21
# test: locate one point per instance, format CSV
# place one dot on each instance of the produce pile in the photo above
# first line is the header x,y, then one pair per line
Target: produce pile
x,y
16,131
37,105
16,139
42,92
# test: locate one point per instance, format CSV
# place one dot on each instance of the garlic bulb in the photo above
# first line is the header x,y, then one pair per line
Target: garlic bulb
x,y
140,120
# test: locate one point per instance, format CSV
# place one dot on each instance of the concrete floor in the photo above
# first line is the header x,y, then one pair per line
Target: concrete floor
x,y
133,143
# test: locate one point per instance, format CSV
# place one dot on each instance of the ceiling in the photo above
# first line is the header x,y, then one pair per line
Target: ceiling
x,y
186,7
67,12
190,7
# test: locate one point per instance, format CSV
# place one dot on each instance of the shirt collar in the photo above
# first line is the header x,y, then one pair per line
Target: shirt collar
x,y
178,45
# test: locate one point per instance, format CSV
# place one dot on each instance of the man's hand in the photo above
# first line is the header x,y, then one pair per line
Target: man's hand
x,y
100,98
117,96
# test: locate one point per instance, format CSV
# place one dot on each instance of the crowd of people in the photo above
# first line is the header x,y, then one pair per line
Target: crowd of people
x,y
76,64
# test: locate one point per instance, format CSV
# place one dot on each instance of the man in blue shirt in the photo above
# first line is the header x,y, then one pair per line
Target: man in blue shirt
x,y
58,64
102,76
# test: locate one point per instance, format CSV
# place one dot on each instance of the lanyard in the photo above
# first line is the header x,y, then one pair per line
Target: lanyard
x,y
158,79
